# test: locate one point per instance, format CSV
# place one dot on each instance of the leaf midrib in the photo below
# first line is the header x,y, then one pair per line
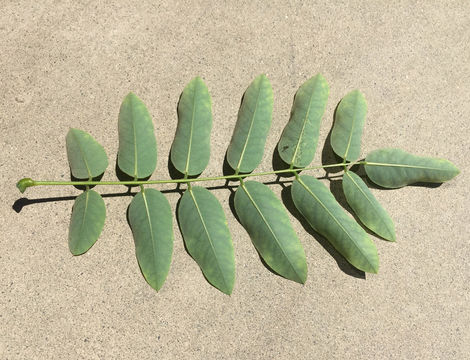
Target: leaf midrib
x,y
154,251
271,230
135,141
352,128
208,238
83,155
85,210
249,130
303,126
404,166
372,203
336,220
191,131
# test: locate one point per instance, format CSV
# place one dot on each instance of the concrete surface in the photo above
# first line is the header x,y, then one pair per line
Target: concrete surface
x,y
69,64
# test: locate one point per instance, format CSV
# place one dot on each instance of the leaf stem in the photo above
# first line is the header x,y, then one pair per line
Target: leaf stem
x,y
27,182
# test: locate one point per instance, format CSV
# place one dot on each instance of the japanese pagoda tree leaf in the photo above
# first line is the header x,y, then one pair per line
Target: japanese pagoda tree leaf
x,y
87,158
201,218
266,221
137,155
347,128
151,222
207,237
86,224
300,136
318,205
254,120
394,168
190,151
366,206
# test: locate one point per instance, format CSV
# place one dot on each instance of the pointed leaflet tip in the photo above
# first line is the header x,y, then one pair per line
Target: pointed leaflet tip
x,y
131,97
456,169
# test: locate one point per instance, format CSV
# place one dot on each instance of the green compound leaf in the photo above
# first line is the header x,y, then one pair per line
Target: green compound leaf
x,y
207,237
347,129
86,224
318,205
190,151
254,120
300,136
87,158
266,221
394,168
152,226
366,206
137,155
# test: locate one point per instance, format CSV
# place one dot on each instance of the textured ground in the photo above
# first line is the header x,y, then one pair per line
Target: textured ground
x,y
69,64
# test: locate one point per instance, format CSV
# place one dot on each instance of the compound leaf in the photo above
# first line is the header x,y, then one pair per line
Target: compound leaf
x,y
394,168
254,120
300,136
266,221
207,237
151,222
86,224
347,128
318,205
366,206
87,158
137,155
190,151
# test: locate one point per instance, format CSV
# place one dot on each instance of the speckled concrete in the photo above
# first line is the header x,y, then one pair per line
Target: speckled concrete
x,y
69,64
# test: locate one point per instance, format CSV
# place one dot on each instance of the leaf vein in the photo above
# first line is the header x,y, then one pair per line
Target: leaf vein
x,y
303,129
351,131
83,155
249,130
404,166
188,158
147,210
